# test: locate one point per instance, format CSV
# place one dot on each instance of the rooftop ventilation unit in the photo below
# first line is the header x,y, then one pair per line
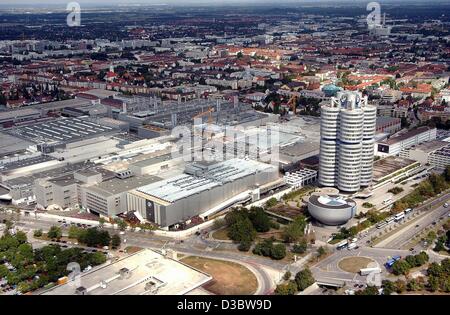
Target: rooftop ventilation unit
x,y
124,273
124,174
81,291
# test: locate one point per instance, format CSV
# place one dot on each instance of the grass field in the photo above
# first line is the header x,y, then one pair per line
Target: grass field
x,y
354,264
229,278
221,234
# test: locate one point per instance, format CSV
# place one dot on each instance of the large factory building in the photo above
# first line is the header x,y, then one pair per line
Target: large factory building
x,y
203,188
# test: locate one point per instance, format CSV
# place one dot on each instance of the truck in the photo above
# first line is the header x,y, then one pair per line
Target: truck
x,y
391,261
390,220
367,271
63,280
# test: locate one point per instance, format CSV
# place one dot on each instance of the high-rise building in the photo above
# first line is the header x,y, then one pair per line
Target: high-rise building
x,y
347,142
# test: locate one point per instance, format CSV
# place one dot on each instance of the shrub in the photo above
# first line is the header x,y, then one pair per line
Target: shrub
x,y
278,252
300,247
244,246
304,279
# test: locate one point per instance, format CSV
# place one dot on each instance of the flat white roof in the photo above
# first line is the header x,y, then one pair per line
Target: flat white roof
x,y
146,266
185,185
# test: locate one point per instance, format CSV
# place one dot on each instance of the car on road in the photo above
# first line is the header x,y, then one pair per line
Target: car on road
x,y
411,249
446,205
434,223
417,225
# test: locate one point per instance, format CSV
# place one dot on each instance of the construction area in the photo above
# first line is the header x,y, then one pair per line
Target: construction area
x,y
169,114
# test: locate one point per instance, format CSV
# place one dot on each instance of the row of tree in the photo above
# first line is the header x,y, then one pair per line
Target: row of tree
x,y
438,279
31,269
429,188
91,237
403,266
267,248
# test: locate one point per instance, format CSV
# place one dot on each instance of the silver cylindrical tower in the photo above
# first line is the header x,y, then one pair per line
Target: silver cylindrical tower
x,y
347,139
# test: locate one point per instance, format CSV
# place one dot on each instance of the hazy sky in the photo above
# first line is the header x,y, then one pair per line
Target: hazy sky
x,y
178,1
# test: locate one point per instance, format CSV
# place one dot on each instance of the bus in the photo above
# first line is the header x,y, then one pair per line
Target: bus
x,y
408,210
399,216
381,225
342,245
351,246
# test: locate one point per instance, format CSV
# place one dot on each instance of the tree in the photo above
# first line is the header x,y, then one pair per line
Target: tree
x,y
287,275
300,247
411,260
101,222
115,241
438,183
37,233
94,238
242,230
54,233
433,283
414,285
369,290
435,270
278,252
259,219
422,258
75,232
121,224
271,203
295,230
304,279
97,258
388,287
401,267
21,237
4,272
289,288
244,246
8,225
321,251
400,286
264,248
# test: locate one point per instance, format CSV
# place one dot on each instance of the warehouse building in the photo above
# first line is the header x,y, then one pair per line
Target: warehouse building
x,y
395,145
109,198
203,186
422,153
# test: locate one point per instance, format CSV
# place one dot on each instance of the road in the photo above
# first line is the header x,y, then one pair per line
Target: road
x,y
194,246
405,232
327,269
404,235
